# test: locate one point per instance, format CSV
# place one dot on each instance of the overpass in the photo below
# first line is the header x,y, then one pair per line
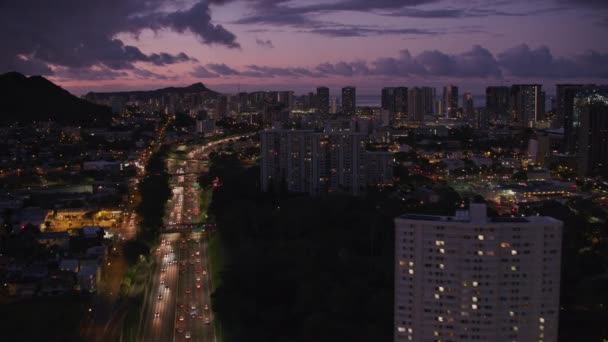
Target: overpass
x,y
187,227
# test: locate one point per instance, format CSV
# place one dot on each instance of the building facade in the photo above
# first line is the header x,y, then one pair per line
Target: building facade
x,y
497,102
323,100
450,100
591,109
321,162
472,278
527,104
349,101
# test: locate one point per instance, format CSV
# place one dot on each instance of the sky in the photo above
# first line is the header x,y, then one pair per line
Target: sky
x,y
247,45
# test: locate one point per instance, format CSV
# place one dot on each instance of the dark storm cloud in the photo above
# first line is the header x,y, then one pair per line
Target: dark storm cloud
x,y
38,34
361,31
523,61
202,72
478,62
284,13
96,73
265,43
223,69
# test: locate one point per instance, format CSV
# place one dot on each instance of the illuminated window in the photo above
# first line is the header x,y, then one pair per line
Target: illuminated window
x,y
480,253
411,271
410,330
401,263
411,263
542,320
440,243
474,306
480,237
505,245
513,268
440,319
437,296
441,266
440,288
474,299
441,250
513,252
511,313
515,328
401,329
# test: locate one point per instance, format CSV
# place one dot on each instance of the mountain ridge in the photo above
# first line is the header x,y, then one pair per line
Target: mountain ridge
x,y
35,98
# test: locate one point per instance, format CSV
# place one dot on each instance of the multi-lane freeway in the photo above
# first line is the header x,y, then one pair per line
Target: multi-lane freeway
x,y
178,300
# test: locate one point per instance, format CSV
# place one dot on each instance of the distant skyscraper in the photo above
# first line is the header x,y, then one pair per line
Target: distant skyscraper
x,y
400,100
333,105
221,107
527,103
468,106
388,99
450,100
564,113
591,107
420,102
286,99
323,100
394,100
497,102
470,277
349,101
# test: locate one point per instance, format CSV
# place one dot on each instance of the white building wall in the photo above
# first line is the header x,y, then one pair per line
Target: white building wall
x,y
458,279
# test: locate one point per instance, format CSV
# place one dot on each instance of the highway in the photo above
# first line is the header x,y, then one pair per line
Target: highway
x,y
178,300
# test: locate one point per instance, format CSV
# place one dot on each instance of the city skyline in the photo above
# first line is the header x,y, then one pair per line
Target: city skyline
x,y
260,44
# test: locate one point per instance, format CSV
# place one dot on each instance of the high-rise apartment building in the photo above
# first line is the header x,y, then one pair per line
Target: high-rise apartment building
x,y
394,100
323,100
467,105
564,113
420,102
497,102
450,100
591,109
318,163
470,277
527,104
349,101
333,105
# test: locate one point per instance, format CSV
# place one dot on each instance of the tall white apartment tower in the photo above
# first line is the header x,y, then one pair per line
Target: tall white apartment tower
x,y
469,277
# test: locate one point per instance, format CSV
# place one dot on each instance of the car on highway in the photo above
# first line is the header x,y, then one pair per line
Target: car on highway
x,y
206,307
187,291
160,297
181,318
207,320
188,335
198,285
156,314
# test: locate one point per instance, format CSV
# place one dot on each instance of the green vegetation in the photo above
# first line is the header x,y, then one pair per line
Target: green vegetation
x,y
216,260
300,268
155,192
